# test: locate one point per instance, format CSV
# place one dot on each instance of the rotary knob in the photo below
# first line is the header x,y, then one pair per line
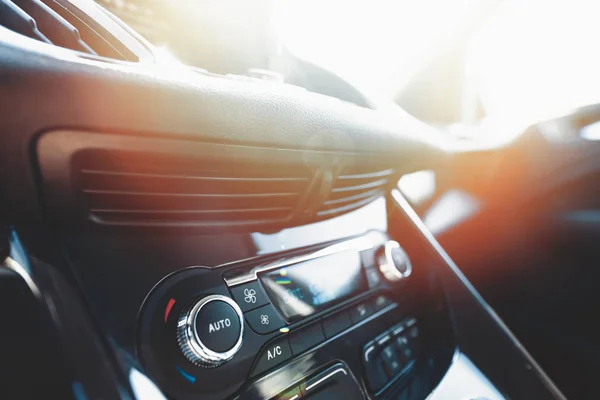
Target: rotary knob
x,y
393,262
210,331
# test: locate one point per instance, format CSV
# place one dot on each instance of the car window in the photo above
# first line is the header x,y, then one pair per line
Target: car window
x,y
532,60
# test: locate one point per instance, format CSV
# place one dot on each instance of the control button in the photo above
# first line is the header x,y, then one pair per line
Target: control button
x,y
413,339
368,259
291,394
413,332
380,302
210,331
274,354
217,326
264,320
400,260
249,296
360,312
336,323
305,338
374,373
391,361
397,329
393,262
373,277
404,347
383,339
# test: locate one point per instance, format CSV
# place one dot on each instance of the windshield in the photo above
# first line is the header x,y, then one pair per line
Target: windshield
x,y
519,61
533,60
375,45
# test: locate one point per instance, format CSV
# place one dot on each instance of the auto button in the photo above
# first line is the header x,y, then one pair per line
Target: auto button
x,y
210,331
218,326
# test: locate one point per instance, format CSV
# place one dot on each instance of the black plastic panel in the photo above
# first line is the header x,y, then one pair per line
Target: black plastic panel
x,y
114,180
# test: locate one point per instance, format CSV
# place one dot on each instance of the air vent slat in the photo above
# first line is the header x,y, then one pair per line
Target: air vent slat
x,y
364,186
95,19
369,175
83,27
348,199
353,188
198,185
247,210
346,208
52,25
14,18
88,34
215,216
197,195
172,176
134,188
183,202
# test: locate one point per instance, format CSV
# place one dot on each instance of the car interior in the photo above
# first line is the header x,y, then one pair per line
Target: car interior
x,y
283,199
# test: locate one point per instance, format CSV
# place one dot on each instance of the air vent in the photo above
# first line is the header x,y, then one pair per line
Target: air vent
x,y
355,187
134,188
63,24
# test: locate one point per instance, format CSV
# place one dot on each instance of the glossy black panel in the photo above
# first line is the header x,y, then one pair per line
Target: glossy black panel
x,y
128,265
305,288
51,346
481,335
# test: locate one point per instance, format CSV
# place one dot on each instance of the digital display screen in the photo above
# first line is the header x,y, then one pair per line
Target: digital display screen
x,y
305,288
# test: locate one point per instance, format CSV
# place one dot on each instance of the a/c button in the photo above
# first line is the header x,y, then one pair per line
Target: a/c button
x,y
273,354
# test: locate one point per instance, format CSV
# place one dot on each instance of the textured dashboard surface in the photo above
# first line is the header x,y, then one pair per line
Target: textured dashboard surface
x,y
44,88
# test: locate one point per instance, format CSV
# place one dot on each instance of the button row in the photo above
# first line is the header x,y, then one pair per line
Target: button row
x,y
317,332
263,318
386,356
260,314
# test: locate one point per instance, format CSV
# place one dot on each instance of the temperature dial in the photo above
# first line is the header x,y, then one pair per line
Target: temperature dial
x,y
393,262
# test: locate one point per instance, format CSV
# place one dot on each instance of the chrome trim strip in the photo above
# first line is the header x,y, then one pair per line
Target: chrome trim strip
x,y
13,265
384,340
358,244
398,330
416,221
387,265
323,379
369,351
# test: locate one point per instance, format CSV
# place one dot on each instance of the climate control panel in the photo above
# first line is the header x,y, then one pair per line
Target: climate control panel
x,y
246,320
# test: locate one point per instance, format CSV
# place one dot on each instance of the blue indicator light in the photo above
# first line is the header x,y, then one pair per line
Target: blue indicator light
x,y
190,378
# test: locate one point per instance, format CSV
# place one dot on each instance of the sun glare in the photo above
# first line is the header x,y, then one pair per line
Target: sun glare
x,y
526,61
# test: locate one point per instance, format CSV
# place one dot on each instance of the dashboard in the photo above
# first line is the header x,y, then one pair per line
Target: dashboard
x,y
188,235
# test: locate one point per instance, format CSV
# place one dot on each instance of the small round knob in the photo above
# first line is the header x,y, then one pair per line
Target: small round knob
x,y
210,331
393,262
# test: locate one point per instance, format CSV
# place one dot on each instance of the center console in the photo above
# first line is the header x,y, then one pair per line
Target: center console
x,y
335,321
363,305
